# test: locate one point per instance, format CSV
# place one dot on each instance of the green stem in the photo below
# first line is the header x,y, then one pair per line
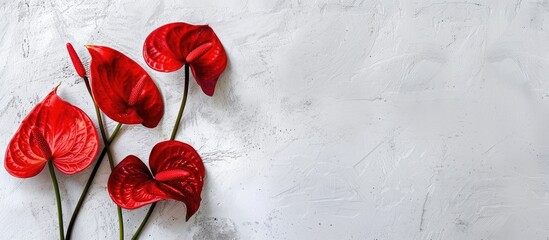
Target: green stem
x,y
138,232
101,126
183,103
89,182
109,154
174,132
57,200
120,223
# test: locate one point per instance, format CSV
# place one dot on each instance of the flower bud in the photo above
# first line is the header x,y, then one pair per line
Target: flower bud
x,y
76,61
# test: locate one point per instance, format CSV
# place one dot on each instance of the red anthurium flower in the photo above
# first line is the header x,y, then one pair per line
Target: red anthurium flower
x,y
54,131
122,89
177,173
170,47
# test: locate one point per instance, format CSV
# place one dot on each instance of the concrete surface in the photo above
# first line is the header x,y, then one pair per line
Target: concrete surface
x,y
335,119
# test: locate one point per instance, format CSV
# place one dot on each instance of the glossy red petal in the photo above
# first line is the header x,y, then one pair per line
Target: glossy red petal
x,y
131,185
54,130
122,88
169,47
179,176
169,156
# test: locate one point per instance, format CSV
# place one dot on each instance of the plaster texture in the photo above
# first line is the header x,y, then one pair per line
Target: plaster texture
x,y
335,119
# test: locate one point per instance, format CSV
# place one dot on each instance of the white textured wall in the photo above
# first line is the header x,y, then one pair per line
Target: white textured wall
x,y
349,119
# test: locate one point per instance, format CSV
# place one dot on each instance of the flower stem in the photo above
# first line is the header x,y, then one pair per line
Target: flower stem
x,y
109,154
101,126
138,232
89,182
174,132
183,103
58,200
